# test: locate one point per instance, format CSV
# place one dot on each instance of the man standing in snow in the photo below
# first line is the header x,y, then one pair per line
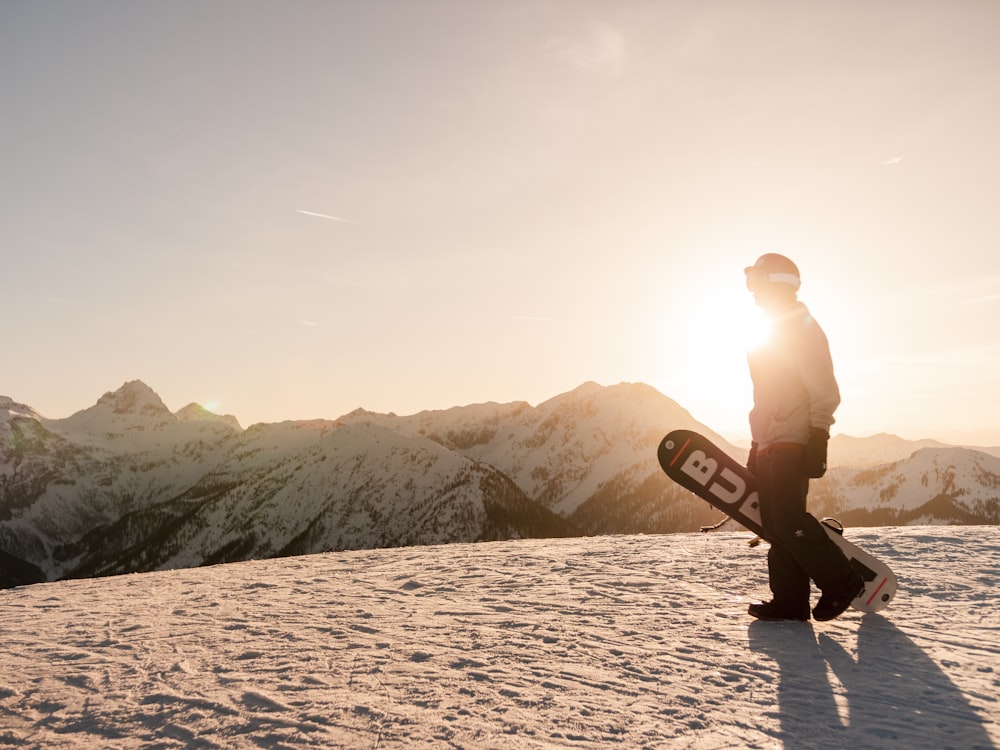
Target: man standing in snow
x,y
795,394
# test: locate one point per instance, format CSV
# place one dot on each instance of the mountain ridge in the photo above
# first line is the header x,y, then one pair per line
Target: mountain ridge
x,y
126,485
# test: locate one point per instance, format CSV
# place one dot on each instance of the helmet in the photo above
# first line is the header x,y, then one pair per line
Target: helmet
x,y
772,268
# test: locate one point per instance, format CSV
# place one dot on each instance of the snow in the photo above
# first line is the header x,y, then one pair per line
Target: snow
x,y
972,477
561,452
198,413
628,641
11,409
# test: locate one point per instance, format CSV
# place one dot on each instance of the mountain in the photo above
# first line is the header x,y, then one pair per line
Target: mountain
x,y
63,481
198,413
10,409
126,485
133,407
567,450
943,485
300,487
883,448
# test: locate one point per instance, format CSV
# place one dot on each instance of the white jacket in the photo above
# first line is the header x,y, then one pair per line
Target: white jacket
x,y
793,383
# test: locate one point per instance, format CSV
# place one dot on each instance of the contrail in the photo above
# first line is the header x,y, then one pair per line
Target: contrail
x,y
322,216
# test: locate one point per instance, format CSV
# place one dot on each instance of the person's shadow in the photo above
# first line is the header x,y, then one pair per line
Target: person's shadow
x,y
893,695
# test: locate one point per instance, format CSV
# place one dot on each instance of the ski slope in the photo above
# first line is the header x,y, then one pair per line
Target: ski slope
x,y
629,641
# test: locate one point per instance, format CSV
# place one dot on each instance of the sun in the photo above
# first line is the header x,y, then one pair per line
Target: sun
x,y
212,405
755,328
730,326
705,366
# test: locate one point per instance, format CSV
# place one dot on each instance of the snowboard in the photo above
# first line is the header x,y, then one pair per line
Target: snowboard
x,y
697,464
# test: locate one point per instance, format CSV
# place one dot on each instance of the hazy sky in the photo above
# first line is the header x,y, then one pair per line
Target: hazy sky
x,y
287,210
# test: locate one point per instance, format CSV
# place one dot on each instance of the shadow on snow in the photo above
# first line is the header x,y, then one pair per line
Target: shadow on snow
x,y
892,695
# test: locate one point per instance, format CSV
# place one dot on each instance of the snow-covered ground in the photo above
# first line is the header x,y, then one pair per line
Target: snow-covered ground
x,y
634,641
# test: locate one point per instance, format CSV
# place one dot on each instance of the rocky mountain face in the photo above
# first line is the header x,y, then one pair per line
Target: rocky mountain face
x,y
126,485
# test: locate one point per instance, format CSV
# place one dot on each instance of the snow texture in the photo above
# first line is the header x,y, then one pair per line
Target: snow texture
x,y
627,641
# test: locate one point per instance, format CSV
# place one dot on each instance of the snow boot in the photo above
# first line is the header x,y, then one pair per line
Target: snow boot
x,y
774,612
833,602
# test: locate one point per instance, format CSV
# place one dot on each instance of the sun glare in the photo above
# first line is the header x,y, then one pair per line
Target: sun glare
x,y
706,367
754,328
735,324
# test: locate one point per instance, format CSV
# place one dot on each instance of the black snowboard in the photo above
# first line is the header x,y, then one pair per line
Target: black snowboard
x,y
696,463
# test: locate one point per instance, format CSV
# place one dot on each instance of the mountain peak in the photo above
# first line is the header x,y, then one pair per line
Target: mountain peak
x,y
134,397
133,406
197,413
9,408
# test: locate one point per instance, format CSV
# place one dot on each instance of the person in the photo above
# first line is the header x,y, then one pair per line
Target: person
x,y
795,395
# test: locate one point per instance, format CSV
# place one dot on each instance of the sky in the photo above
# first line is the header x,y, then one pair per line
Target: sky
x,y
289,210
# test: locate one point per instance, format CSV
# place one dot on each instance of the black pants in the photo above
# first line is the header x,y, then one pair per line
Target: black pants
x,y
800,548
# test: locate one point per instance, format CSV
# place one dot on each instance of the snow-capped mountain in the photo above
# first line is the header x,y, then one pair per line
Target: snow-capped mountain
x,y
64,481
126,485
566,452
10,409
944,485
876,449
134,419
300,487
198,413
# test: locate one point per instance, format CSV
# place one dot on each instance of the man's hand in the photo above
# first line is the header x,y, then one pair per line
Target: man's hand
x,y
752,459
815,456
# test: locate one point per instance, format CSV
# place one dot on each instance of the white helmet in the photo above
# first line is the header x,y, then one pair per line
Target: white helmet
x,y
772,268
